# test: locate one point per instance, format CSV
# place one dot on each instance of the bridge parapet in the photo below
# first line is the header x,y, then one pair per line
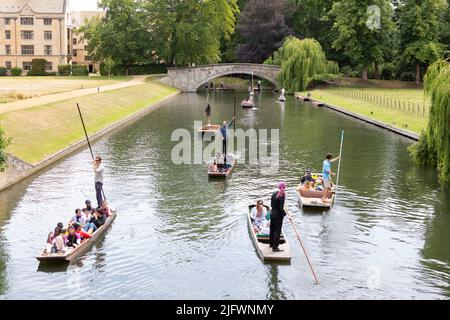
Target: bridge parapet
x,y
189,79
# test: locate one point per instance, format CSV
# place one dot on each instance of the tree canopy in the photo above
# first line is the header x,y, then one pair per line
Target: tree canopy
x,y
301,61
262,26
434,145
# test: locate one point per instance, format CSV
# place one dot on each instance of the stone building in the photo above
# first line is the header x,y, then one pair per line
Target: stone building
x,y
42,29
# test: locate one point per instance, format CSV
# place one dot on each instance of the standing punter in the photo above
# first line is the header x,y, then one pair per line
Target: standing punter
x,y
208,113
276,216
326,175
98,169
225,135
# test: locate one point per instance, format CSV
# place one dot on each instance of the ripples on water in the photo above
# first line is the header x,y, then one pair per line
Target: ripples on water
x,y
180,235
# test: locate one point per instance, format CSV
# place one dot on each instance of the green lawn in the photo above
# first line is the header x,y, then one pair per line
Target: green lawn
x,y
397,103
38,86
43,130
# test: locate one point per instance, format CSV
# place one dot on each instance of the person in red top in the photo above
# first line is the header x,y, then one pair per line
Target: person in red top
x,y
84,235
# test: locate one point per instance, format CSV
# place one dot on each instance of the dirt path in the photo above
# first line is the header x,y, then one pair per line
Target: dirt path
x,y
29,103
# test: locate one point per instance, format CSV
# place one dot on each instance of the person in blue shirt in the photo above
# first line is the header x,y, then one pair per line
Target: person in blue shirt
x,y
225,135
326,175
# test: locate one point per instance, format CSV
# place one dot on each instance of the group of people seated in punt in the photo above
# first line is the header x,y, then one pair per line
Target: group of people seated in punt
x,y
308,182
220,163
79,228
260,219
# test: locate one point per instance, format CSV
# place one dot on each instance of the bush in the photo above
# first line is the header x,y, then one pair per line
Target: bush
x,y
408,76
79,70
64,69
388,71
16,71
4,142
53,73
3,71
349,72
38,67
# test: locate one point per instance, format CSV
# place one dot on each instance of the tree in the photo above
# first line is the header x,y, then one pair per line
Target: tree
x,y
309,19
433,147
363,31
109,65
263,27
419,24
302,61
190,31
122,33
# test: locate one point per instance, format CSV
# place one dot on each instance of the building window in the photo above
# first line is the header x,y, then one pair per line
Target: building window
x,y
8,65
26,66
49,66
26,35
7,34
26,21
47,35
74,53
7,21
87,58
74,41
48,50
28,50
47,22
8,49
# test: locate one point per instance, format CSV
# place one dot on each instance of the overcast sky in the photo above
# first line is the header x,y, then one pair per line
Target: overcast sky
x,y
86,5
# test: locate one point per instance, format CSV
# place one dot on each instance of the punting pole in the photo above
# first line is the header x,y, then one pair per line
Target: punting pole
x,y
339,165
302,245
87,139
234,124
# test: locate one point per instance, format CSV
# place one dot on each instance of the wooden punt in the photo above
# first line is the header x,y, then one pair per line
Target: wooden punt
x,y
212,128
247,104
313,198
261,243
72,254
223,174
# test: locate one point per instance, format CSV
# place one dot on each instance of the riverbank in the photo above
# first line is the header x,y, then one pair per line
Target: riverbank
x,y
44,134
394,103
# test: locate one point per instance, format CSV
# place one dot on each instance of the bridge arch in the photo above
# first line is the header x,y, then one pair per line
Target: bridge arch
x,y
191,78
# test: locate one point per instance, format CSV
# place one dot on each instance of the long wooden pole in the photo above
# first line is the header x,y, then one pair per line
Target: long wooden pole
x,y
87,139
234,123
339,165
302,245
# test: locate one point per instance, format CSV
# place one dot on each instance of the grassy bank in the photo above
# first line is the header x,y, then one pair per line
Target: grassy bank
x,y
396,103
17,88
43,130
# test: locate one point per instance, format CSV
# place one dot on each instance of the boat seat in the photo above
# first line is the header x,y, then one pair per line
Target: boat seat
x,y
313,194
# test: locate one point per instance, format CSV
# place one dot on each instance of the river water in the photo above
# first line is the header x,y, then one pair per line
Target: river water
x,y
179,235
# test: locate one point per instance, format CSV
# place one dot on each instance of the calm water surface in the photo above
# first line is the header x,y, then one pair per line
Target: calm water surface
x,y
181,236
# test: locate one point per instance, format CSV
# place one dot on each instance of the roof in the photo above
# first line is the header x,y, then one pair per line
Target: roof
x,y
37,6
79,17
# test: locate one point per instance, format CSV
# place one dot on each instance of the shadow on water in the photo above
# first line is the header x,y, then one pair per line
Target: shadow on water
x,y
53,267
273,283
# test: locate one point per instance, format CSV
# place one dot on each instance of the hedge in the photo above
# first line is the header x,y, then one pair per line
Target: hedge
x,y
79,70
16,71
3,71
38,67
64,69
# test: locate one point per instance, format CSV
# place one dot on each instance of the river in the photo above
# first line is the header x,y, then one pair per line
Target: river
x,y
179,235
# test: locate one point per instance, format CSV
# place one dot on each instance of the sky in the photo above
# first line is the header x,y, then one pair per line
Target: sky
x,y
86,5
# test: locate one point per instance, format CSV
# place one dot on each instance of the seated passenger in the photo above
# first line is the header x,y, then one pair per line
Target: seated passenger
x,y
78,218
87,215
258,214
307,177
105,209
72,239
82,234
55,241
88,206
98,218
212,167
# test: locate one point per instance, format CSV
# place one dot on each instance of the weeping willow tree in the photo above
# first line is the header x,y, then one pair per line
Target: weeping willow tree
x,y
433,147
302,62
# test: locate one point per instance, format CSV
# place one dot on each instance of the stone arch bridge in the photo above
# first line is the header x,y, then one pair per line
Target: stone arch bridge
x,y
189,79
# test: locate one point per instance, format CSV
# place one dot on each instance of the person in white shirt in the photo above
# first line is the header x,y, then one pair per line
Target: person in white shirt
x,y
259,214
98,169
